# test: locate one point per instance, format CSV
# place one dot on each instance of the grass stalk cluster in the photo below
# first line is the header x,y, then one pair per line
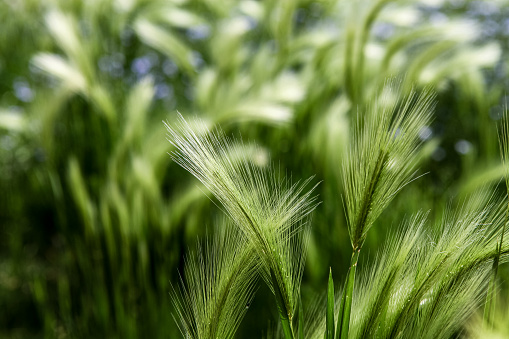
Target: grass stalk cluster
x,y
272,214
426,282
379,164
95,216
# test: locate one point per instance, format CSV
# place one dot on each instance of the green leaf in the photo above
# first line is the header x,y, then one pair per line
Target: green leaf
x,y
330,307
348,295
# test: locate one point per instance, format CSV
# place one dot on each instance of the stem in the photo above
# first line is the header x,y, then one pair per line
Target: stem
x,y
283,312
330,308
346,300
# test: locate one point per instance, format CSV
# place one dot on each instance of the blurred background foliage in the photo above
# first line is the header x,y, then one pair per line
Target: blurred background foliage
x,y
95,218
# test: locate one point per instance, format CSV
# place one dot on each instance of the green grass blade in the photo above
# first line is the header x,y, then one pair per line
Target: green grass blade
x,y
330,307
347,301
341,312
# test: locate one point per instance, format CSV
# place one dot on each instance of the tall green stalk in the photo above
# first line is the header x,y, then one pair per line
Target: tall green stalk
x,y
286,322
379,164
329,332
346,300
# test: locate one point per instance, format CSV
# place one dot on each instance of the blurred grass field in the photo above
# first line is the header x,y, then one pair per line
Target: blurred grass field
x,y
95,217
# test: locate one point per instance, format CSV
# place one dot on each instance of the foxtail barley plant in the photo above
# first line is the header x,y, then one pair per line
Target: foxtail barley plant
x,y
219,285
426,282
271,213
95,216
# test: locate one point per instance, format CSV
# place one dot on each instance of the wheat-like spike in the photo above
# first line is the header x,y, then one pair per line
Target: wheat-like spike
x,y
218,287
427,284
271,213
381,159
379,163
429,279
